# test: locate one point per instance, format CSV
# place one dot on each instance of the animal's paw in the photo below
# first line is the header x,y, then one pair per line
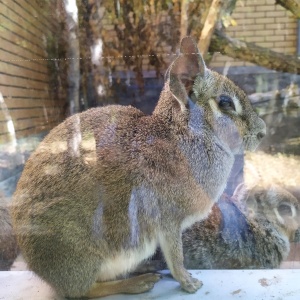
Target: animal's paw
x,y
191,285
143,283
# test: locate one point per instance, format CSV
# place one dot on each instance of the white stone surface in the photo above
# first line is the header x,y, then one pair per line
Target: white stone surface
x,y
217,285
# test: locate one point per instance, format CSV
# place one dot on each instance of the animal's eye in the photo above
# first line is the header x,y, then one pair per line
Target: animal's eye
x,y
226,103
285,210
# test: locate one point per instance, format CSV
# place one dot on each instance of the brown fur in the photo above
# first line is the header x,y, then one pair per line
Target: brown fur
x,y
8,243
241,232
251,235
109,185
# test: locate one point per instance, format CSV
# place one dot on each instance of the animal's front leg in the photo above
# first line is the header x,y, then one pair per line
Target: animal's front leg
x,y
171,246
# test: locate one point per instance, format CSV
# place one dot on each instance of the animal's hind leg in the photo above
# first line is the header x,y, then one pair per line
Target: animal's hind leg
x,y
134,285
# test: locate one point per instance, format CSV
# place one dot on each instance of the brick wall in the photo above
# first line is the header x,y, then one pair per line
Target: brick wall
x,y
32,89
263,23
28,103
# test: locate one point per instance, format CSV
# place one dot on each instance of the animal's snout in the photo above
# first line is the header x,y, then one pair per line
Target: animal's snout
x,y
261,135
262,129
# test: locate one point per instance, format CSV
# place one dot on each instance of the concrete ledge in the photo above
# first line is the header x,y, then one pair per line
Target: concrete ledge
x,y
217,284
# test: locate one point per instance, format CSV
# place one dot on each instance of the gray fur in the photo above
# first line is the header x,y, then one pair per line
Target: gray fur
x,y
147,177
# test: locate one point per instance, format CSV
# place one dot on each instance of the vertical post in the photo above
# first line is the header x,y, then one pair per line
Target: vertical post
x,y
73,56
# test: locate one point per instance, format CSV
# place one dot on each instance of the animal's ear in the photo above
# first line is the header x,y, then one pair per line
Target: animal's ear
x,y
244,198
183,71
241,193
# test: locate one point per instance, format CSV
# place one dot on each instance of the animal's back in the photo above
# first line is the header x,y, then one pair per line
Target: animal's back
x,y
65,168
61,194
71,198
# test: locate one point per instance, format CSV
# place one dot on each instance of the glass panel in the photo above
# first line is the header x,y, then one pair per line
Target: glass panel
x,y
62,57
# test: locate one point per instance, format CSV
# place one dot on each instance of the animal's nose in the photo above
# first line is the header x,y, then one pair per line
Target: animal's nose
x,y
260,135
262,129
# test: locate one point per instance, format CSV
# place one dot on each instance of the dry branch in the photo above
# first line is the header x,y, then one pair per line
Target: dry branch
x,y
292,5
209,25
255,54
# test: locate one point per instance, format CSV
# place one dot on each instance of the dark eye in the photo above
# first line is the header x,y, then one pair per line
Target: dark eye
x,y
285,210
226,103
